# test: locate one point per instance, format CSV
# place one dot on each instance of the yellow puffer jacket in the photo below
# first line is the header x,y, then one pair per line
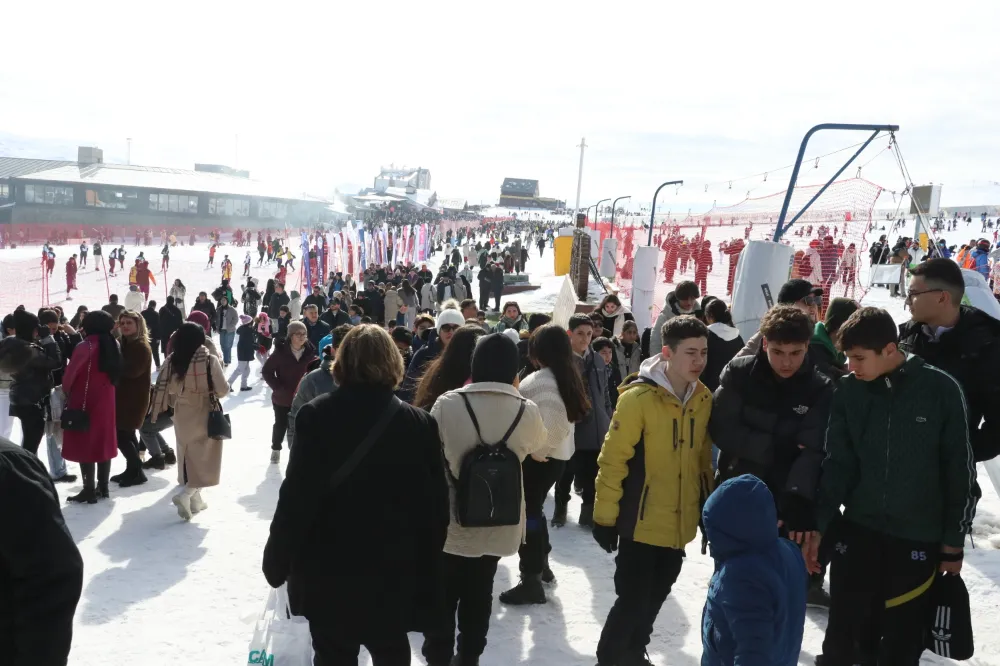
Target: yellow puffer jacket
x,y
655,464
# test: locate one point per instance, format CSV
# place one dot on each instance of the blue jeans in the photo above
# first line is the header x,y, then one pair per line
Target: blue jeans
x,y
226,339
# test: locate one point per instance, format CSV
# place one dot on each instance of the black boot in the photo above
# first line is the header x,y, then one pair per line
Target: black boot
x,y
103,470
87,495
587,515
547,576
559,515
459,660
169,457
528,591
155,462
136,478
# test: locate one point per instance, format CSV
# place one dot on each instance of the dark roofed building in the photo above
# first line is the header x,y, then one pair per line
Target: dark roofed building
x,y
88,194
523,193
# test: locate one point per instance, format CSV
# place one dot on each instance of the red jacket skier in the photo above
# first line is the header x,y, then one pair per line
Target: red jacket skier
x,y
70,276
702,254
733,250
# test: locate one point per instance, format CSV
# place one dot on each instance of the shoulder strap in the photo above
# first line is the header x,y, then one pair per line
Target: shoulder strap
x,y
366,444
475,422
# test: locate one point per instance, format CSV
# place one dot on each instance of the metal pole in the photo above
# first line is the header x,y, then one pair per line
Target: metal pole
x,y
579,177
781,227
597,209
614,205
128,159
652,213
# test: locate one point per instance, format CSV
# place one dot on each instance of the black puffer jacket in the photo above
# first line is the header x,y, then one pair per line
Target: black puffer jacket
x,y
31,369
969,352
769,427
41,572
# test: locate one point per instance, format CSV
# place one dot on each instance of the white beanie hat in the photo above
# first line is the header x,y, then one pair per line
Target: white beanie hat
x,y
449,316
512,334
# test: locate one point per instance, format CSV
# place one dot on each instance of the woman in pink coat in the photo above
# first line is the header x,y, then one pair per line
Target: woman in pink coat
x,y
89,384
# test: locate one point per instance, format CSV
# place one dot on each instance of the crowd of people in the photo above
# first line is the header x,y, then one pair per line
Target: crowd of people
x,y
459,430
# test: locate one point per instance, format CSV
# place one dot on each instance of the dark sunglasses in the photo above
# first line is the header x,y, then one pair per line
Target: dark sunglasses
x,y
813,300
449,328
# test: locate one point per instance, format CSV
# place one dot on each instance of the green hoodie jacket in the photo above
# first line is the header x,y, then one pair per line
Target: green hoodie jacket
x,y
898,456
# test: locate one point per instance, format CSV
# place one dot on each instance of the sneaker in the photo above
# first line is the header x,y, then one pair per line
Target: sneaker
x,y
547,576
183,503
587,515
818,598
231,389
246,388
65,478
197,503
275,457
169,457
155,462
528,591
559,515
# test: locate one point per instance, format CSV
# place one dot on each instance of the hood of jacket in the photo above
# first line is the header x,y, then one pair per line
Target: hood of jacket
x,y
674,306
740,517
822,337
654,369
724,331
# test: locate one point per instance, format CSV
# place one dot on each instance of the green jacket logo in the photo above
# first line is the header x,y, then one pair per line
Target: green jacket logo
x,y
260,657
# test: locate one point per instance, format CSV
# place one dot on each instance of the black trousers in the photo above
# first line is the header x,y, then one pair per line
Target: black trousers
x,y
129,447
335,647
155,345
538,478
497,294
468,585
484,297
879,601
280,426
32,426
582,467
644,575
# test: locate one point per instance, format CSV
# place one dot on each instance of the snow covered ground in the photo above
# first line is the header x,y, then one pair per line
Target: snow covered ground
x,y
158,590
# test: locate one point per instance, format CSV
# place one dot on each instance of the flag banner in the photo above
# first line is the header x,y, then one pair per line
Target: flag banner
x,y
362,257
305,257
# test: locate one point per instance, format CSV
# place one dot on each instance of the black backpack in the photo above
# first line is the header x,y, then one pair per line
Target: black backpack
x,y
488,490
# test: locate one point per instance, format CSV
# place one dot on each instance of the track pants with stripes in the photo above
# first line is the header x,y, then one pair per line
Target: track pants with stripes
x,y
879,598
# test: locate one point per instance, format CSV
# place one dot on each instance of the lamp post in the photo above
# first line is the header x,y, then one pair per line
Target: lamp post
x,y
652,213
597,210
614,206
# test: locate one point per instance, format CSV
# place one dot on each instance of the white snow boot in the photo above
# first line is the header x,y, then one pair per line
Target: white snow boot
x,y
182,501
197,503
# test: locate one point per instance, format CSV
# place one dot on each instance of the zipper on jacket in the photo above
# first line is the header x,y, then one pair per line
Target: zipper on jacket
x,y
888,434
642,504
675,434
692,432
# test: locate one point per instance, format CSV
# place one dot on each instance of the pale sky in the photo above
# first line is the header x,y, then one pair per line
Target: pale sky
x,y
322,94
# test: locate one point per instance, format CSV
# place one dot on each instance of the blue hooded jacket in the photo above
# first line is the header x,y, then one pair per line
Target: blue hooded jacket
x,y
756,604
981,261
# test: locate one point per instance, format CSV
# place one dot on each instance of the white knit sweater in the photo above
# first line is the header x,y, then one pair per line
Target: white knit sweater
x,y
541,388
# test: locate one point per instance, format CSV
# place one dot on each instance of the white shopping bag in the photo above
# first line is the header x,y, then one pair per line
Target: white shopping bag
x,y
280,638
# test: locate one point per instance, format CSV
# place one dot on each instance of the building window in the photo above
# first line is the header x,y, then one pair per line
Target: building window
x,y
273,209
229,207
184,204
48,194
107,197
4,191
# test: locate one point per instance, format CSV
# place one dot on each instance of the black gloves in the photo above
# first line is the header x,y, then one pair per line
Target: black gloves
x,y
606,537
798,513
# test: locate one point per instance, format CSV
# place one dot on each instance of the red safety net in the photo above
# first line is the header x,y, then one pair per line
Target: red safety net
x,y
830,241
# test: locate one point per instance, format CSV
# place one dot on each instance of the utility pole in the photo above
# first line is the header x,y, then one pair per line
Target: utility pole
x,y
579,178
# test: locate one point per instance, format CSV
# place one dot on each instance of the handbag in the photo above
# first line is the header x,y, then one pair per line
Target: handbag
x,y
220,427
280,637
78,419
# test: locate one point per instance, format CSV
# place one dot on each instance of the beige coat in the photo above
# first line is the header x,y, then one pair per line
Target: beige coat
x,y
495,406
392,304
197,454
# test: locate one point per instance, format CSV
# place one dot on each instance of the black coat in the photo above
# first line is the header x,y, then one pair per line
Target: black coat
x,y
152,319
251,301
774,429
277,300
364,555
969,352
41,572
246,342
318,299
334,319
208,307
720,352
170,320
317,331
31,366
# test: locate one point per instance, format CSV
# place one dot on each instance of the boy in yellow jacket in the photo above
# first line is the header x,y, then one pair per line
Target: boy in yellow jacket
x,y
655,471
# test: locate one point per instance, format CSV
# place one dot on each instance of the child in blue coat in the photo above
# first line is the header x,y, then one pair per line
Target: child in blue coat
x,y
756,604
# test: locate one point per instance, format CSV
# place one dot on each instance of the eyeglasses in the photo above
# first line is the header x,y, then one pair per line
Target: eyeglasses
x,y
449,328
909,296
813,300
